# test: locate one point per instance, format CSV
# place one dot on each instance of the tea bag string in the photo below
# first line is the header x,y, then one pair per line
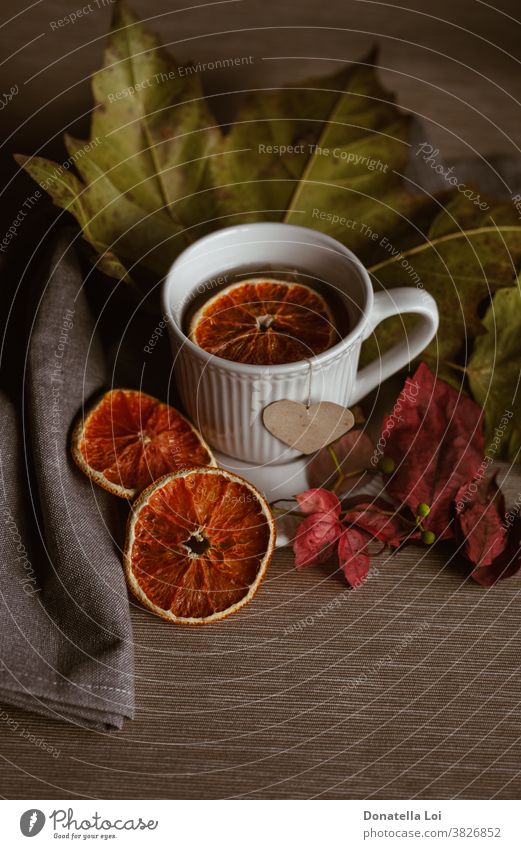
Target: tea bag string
x,y
310,372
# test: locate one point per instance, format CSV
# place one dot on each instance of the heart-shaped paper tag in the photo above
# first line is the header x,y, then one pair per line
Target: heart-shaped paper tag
x,y
307,429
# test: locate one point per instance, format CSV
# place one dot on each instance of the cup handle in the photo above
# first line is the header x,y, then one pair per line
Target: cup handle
x,y
394,302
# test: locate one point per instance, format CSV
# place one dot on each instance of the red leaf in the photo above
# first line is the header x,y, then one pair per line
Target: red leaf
x,y
375,521
491,540
315,539
353,451
480,521
319,501
353,557
507,563
435,437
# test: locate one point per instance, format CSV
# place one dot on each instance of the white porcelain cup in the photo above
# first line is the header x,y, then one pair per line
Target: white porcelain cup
x,y
225,399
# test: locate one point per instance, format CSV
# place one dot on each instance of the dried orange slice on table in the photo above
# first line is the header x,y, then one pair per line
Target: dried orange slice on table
x,y
130,439
265,322
198,545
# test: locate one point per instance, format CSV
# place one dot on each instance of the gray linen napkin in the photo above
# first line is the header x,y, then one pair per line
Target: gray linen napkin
x,y
65,634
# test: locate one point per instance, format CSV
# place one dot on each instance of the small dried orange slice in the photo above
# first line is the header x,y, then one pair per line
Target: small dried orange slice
x,y
130,439
198,545
264,321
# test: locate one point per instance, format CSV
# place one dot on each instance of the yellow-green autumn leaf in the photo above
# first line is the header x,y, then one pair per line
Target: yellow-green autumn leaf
x,y
146,162
111,222
70,194
156,129
157,172
328,154
468,256
494,374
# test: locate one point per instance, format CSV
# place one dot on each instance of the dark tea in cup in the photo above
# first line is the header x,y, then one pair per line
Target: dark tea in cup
x,y
267,317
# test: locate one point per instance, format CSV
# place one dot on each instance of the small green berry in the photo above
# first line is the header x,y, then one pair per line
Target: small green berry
x,y
386,465
428,537
423,510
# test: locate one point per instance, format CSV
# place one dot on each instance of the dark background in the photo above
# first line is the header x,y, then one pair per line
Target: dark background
x,y
455,64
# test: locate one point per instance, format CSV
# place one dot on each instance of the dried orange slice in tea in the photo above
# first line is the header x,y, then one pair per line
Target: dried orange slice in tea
x,y
130,439
264,321
198,545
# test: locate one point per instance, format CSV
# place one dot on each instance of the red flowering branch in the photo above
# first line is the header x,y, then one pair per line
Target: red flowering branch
x,y
430,451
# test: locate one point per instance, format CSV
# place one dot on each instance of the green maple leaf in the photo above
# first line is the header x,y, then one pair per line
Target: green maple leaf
x,y
494,373
144,167
469,255
157,172
319,154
